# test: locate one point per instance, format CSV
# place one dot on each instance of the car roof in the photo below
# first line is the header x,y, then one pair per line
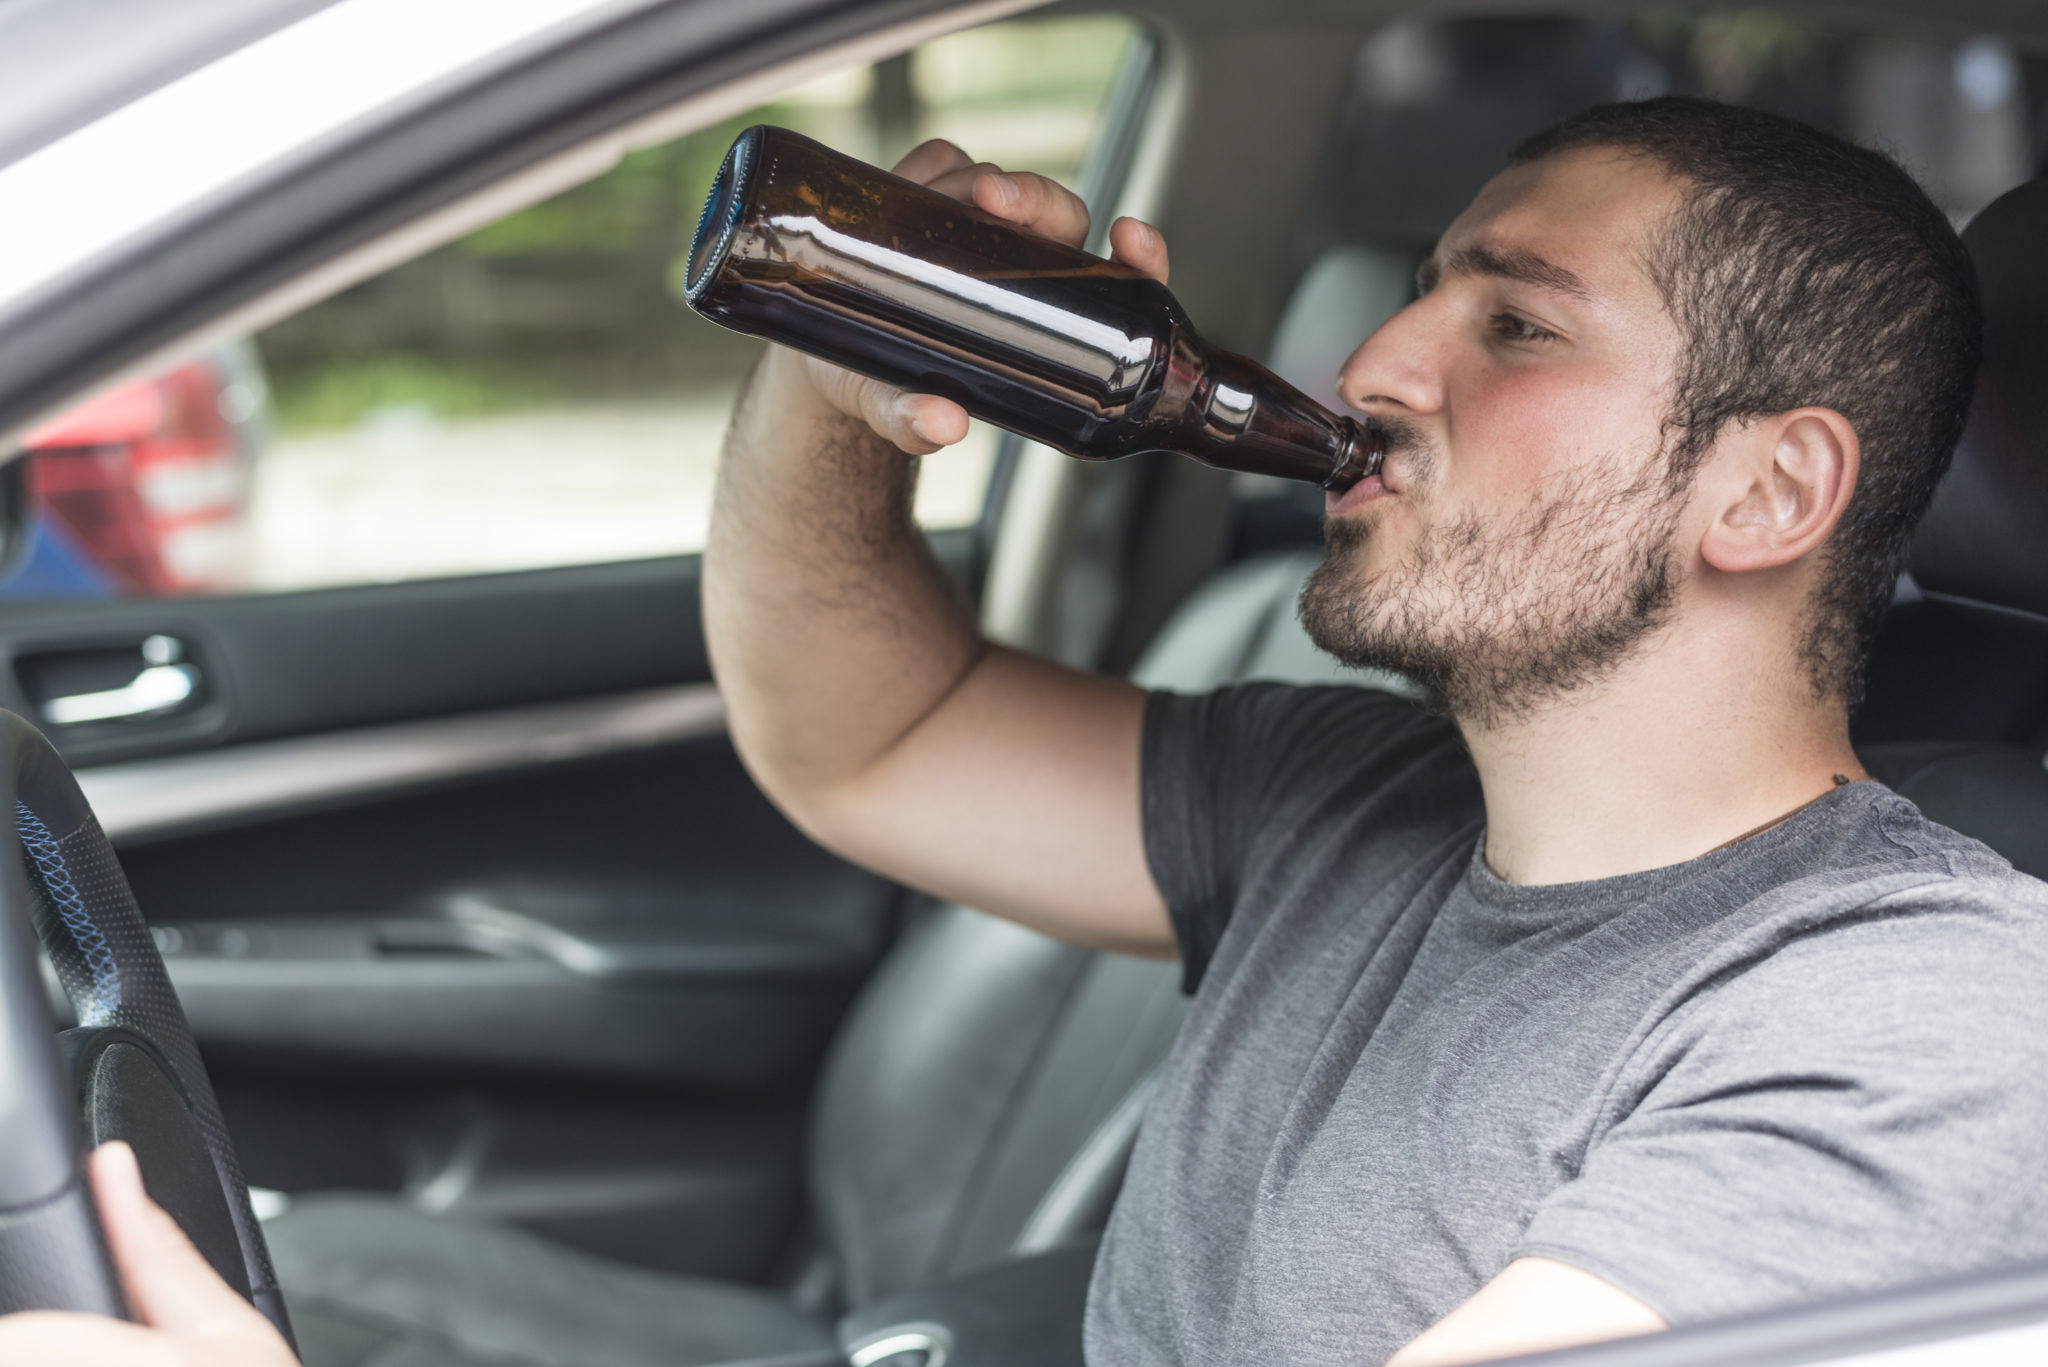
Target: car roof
x,y
65,63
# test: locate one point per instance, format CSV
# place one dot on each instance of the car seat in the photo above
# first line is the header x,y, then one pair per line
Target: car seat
x,y
1983,549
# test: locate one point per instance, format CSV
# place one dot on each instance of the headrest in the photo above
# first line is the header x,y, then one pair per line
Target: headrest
x,y
1343,297
1985,538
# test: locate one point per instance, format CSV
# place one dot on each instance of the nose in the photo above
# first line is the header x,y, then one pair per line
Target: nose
x,y
1396,371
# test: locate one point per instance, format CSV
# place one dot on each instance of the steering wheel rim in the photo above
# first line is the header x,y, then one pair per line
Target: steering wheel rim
x,y
132,1060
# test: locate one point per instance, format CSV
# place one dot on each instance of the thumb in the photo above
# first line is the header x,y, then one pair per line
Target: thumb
x,y
170,1285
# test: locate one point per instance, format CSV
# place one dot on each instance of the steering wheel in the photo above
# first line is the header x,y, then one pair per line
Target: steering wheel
x,y
130,1070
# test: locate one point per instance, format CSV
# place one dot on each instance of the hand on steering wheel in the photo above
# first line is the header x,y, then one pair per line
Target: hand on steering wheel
x,y
190,1317
79,1249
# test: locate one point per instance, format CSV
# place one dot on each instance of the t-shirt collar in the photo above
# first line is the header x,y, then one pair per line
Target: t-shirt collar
x,y
1597,896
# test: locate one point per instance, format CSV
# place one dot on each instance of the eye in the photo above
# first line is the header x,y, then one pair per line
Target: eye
x,y
1515,328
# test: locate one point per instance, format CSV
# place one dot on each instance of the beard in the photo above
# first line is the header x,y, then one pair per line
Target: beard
x,y
1493,616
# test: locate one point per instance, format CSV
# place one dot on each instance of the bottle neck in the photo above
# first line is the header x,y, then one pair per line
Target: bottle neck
x,y
1237,415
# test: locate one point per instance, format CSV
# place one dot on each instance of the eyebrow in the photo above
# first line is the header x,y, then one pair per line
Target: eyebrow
x,y
1506,263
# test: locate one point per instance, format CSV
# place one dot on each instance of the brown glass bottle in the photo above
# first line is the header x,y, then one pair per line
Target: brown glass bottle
x,y
806,247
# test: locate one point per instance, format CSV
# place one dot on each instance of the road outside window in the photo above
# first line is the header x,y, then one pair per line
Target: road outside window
x,y
533,395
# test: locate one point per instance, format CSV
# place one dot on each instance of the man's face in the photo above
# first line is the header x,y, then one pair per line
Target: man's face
x,y
1520,542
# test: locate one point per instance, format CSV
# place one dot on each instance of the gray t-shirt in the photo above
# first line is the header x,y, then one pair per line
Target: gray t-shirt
x,y
1811,1063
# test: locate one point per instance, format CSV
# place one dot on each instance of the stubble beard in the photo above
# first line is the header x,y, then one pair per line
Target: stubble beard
x,y
1492,617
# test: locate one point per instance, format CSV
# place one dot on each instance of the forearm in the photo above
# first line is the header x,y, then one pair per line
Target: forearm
x,y
1533,1305
832,628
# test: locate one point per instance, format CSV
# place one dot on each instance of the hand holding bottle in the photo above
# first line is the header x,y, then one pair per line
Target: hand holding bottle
x,y
966,292
923,423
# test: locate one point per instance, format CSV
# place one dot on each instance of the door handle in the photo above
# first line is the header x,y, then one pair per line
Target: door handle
x,y
164,684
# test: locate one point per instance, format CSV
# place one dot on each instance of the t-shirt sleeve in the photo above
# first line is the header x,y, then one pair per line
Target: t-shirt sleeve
x,y
1861,1109
1217,770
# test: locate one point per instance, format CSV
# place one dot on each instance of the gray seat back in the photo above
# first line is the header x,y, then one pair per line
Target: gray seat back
x,y
1982,551
976,1064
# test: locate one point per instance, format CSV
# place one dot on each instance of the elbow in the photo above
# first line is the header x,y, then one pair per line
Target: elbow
x,y
809,795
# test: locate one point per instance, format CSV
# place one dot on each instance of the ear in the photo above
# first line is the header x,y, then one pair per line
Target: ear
x,y
1781,486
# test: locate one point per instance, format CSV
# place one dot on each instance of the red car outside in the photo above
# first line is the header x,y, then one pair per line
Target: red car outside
x,y
148,484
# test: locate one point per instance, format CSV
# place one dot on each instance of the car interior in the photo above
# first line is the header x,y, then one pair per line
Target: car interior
x,y
544,1039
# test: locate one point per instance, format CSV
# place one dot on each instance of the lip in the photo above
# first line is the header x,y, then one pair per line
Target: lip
x,y
1367,491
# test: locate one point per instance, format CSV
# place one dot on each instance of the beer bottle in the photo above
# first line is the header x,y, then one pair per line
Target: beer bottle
x,y
807,247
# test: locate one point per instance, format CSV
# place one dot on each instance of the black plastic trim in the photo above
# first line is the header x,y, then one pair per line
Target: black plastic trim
x,y
292,664
295,663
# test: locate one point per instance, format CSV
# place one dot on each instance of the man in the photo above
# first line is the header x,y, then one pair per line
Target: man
x,y
1616,996
1620,998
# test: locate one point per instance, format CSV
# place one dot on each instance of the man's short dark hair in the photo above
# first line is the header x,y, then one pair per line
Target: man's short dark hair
x,y
1805,270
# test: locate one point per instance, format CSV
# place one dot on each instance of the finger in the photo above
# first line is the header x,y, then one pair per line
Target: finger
x,y
1042,205
959,181
931,159
1030,201
918,423
939,421
857,396
169,1284
50,1338
1138,245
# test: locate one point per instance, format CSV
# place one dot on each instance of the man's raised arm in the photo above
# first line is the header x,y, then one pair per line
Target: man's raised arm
x,y
861,695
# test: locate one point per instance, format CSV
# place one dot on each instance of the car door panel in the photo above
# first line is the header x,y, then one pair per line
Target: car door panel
x,y
301,663
292,664
586,994
188,794
466,878
642,915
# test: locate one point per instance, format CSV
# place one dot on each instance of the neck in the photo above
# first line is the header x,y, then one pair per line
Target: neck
x,y
1686,746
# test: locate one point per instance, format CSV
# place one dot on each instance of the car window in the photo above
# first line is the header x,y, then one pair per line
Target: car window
x,y
534,394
